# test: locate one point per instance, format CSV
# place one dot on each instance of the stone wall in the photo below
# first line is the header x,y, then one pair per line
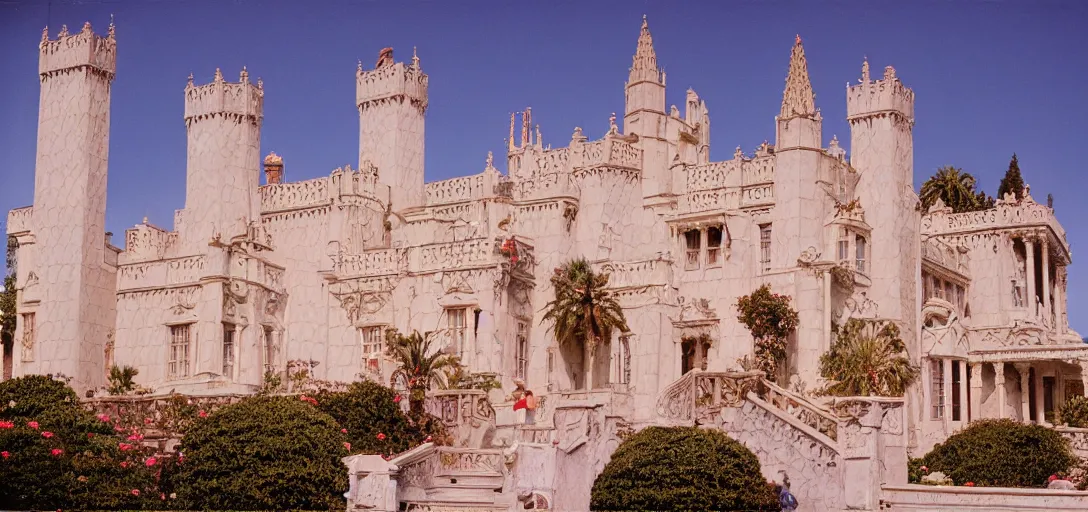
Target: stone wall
x,y
927,498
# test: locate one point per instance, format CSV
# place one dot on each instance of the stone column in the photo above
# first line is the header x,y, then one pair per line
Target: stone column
x,y
1059,303
1025,391
1029,249
946,364
999,388
1040,394
1046,276
976,392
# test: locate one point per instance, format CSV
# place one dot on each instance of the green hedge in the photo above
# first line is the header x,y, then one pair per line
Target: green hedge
x,y
372,417
263,453
1074,413
1002,453
682,468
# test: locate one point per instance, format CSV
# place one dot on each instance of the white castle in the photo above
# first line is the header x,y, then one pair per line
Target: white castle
x,y
252,277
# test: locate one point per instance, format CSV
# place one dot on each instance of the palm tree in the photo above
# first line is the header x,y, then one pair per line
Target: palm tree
x,y
583,311
418,367
953,187
868,358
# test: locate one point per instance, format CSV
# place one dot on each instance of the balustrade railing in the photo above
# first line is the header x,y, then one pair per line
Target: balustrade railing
x,y
815,416
699,393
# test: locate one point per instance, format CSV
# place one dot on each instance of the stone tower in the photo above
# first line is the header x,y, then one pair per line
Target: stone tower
x,y
223,123
392,101
77,307
881,117
644,114
798,135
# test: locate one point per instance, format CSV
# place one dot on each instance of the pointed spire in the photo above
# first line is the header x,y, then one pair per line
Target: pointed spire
x,y
190,84
45,34
63,31
865,70
113,29
644,65
86,28
218,75
415,59
359,66
244,75
798,99
510,141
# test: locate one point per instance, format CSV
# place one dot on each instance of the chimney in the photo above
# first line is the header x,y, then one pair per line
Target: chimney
x,y
273,169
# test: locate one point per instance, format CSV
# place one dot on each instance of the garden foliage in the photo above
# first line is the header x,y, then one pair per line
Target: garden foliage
x,y
770,319
1074,413
374,421
682,468
264,453
1002,453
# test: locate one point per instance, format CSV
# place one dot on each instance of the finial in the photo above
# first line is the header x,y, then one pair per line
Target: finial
x,y
218,75
490,160
86,27
145,219
112,27
798,40
415,58
359,66
190,80
45,34
63,31
644,23
260,83
889,73
510,144
244,75
865,70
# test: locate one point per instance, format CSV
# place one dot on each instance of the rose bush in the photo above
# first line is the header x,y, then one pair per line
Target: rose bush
x,y
371,417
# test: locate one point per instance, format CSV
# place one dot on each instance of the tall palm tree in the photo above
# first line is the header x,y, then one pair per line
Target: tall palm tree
x,y
583,312
953,187
418,367
868,358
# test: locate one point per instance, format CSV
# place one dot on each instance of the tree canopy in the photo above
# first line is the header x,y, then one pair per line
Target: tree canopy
x,y
1012,182
867,358
956,189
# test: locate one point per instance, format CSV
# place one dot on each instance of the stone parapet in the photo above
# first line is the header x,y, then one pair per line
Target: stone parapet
x,y
1022,215
84,49
20,220
887,96
391,82
928,498
241,101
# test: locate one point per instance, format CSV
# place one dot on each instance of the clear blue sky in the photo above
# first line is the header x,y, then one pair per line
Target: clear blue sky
x,y
991,78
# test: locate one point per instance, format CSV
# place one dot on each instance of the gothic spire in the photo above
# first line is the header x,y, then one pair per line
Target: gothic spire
x,y
644,64
798,99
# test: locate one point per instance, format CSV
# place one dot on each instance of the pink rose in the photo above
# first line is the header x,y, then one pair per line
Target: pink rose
x,y
150,461
396,399
47,435
135,492
347,446
124,446
124,464
202,414
5,454
343,431
162,496
381,436
147,421
104,417
6,424
427,440
56,452
32,424
969,484
90,435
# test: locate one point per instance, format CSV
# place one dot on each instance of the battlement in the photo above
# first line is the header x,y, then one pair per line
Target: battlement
x,y
240,101
84,49
391,81
887,96
341,185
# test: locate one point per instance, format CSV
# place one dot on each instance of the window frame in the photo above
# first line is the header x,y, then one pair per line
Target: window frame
x,y
179,368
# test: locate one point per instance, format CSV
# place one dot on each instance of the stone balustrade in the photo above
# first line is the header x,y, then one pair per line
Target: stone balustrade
x,y
818,418
698,394
455,190
1078,439
466,413
609,153
1026,213
657,271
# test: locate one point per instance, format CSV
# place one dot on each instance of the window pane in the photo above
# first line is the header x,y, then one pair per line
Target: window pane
x,y
765,246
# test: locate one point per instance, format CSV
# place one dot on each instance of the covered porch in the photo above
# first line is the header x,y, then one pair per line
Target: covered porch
x,y
1027,384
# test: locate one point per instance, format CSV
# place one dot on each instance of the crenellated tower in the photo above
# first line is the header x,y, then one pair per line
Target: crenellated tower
x,y
71,321
223,165
644,114
392,101
881,117
798,135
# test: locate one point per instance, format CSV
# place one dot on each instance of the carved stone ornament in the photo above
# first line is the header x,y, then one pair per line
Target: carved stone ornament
x,y
808,256
859,305
696,309
184,300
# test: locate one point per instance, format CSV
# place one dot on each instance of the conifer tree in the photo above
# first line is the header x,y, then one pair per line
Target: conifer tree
x,y
1013,182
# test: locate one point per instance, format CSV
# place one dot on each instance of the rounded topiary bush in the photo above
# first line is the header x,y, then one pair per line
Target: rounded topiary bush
x,y
1002,453
263,453
682,468
373,419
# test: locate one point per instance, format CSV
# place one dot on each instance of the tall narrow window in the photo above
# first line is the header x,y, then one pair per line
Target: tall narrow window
x,y
455,322
522,351
228,350
269,350
29,337
713,246
936,388
844,244
179,351
693,241
927,288
957,381
765,246
859,242
372,347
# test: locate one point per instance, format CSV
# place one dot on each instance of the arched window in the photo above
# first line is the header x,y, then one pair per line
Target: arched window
x,y
859,242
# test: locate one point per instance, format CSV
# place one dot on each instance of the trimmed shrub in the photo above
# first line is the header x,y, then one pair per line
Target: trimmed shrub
x,y
374,421
263,453
54,454
1002,453
1074,413
682,468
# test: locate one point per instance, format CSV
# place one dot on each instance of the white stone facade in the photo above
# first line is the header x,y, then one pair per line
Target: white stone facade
x,y
253,279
